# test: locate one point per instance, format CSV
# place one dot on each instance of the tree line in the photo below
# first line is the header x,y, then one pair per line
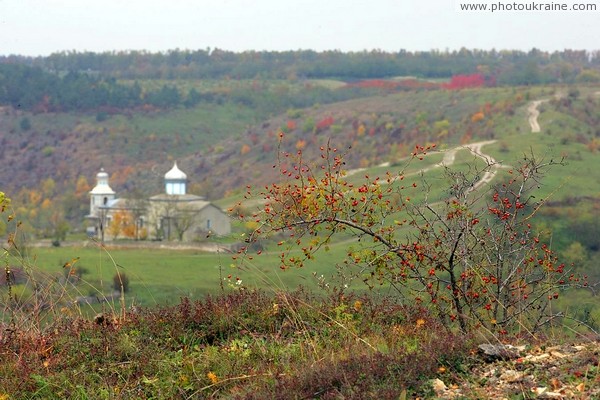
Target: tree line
x,y
81,81
32,88
507,66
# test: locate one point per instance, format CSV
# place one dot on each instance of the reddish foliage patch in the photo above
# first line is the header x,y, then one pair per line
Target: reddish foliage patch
x,y
469,81
324,124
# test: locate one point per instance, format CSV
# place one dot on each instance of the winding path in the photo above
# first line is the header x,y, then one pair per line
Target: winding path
x,y
450,155
476,148
533,114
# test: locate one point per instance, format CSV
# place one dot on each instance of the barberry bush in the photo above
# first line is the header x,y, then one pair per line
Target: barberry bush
x,y
470,254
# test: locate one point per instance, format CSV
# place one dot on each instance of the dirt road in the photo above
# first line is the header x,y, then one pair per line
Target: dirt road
x,y
533,114
475,148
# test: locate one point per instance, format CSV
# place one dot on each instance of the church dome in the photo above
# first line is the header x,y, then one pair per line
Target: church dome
x,y
175,181
175,173
102,186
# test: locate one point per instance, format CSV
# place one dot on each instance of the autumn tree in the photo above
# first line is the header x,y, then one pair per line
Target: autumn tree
x,y
470,255
121,224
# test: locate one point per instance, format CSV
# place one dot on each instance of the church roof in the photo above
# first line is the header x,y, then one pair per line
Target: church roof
x,y
186,201
116,203
177,198
175,173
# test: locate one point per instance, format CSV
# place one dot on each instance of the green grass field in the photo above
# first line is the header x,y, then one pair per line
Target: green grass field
x,y
159,276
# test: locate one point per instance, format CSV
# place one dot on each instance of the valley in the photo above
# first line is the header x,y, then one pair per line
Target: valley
x,y
382,228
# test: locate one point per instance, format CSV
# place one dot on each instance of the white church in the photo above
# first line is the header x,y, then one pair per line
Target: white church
x,y
172,215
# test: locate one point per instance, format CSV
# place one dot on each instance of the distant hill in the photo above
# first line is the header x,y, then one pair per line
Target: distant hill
x,y
217,144
224,147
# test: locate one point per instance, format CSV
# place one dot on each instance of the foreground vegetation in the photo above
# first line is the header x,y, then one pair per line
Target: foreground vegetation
x,y
244,344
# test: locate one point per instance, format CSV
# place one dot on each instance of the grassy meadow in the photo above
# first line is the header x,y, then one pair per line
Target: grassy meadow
x,y
161,277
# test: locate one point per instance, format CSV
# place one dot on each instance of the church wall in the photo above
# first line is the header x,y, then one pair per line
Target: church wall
x,y
215,221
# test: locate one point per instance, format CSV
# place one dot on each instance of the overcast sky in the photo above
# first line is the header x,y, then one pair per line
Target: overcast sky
x,y
41,27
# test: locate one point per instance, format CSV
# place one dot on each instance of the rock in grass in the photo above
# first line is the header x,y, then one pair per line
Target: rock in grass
x,y
494,352
438,386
